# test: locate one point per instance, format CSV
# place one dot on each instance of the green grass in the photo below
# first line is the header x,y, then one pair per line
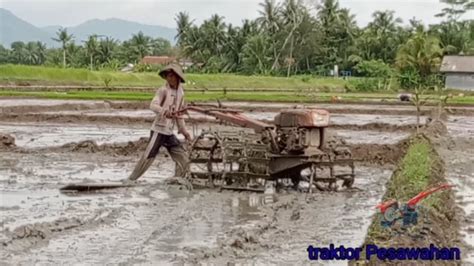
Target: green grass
x,y
57,76
414,171
212,96
301,88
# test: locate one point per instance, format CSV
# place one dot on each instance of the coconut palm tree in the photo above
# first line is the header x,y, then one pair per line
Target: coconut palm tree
x,y
106,50
31,55
92,48
269,18
41,52
64,38
422,53
384,29
183,24
141,45
18,52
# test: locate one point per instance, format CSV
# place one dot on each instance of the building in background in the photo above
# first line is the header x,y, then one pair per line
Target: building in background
x,y
459,72
158,60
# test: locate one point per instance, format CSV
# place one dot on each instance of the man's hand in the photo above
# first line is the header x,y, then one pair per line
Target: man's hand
x,y
187,136
168,114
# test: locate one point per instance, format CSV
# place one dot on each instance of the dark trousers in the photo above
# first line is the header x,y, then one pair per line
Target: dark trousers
x,y
156,141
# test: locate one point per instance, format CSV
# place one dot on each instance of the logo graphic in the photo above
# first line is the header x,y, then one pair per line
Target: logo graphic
x,y
393,211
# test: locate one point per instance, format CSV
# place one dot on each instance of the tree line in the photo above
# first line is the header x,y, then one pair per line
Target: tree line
x,y
289,37
97,52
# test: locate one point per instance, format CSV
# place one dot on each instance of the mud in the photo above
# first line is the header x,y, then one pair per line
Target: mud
x,y
293,222
379,153
350,108
371,136
458,153
34,135
60,107
368,152
155,222
145,117
6,141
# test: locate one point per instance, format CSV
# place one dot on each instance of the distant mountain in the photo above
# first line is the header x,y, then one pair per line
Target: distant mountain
x,y
51,30
13,29
119,29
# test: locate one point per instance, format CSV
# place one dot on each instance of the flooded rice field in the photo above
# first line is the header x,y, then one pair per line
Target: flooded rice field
x,y
154,221
163,223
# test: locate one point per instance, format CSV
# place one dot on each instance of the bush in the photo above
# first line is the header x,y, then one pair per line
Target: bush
x,y
305,79
410,79
147,68
367,84
213,65
373,69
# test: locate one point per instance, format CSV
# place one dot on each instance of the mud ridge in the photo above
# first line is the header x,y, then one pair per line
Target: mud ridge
x,y
114,149
379,153
376,127
29,236
88,119
118,120
76,119
50,108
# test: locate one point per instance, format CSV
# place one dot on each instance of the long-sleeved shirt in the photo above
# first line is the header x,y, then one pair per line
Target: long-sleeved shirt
x,y
167,99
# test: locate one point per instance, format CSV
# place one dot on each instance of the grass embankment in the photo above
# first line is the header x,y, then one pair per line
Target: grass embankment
x,y
229,96
420,168
200,87
18,74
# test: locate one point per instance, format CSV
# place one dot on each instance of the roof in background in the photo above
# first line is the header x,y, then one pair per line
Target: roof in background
x,y
157,60
457,63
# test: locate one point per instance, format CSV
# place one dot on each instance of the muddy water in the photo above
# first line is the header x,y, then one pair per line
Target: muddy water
x,y
108,112
337,119
461,126
153,223
458,157
29,184
33,135
119,223
367,136
298,220
6,102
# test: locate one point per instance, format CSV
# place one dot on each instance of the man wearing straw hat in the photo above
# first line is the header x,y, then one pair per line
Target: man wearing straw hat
x,y
166,104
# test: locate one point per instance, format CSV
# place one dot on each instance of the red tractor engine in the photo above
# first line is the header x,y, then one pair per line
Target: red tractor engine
x,y
300,131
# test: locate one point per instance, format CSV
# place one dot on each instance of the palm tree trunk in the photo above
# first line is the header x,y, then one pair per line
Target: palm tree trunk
x,y
64,58
91,63
290,34
290,61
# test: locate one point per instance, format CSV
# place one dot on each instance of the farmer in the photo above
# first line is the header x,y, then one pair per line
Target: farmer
x,y
167,102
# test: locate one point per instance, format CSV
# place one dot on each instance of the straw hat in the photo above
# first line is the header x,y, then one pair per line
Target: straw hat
x,y
175,68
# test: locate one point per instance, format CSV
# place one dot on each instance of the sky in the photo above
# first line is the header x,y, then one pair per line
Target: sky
x,y
162,12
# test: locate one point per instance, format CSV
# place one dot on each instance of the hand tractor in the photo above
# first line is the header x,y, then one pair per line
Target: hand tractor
x,y
294,148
